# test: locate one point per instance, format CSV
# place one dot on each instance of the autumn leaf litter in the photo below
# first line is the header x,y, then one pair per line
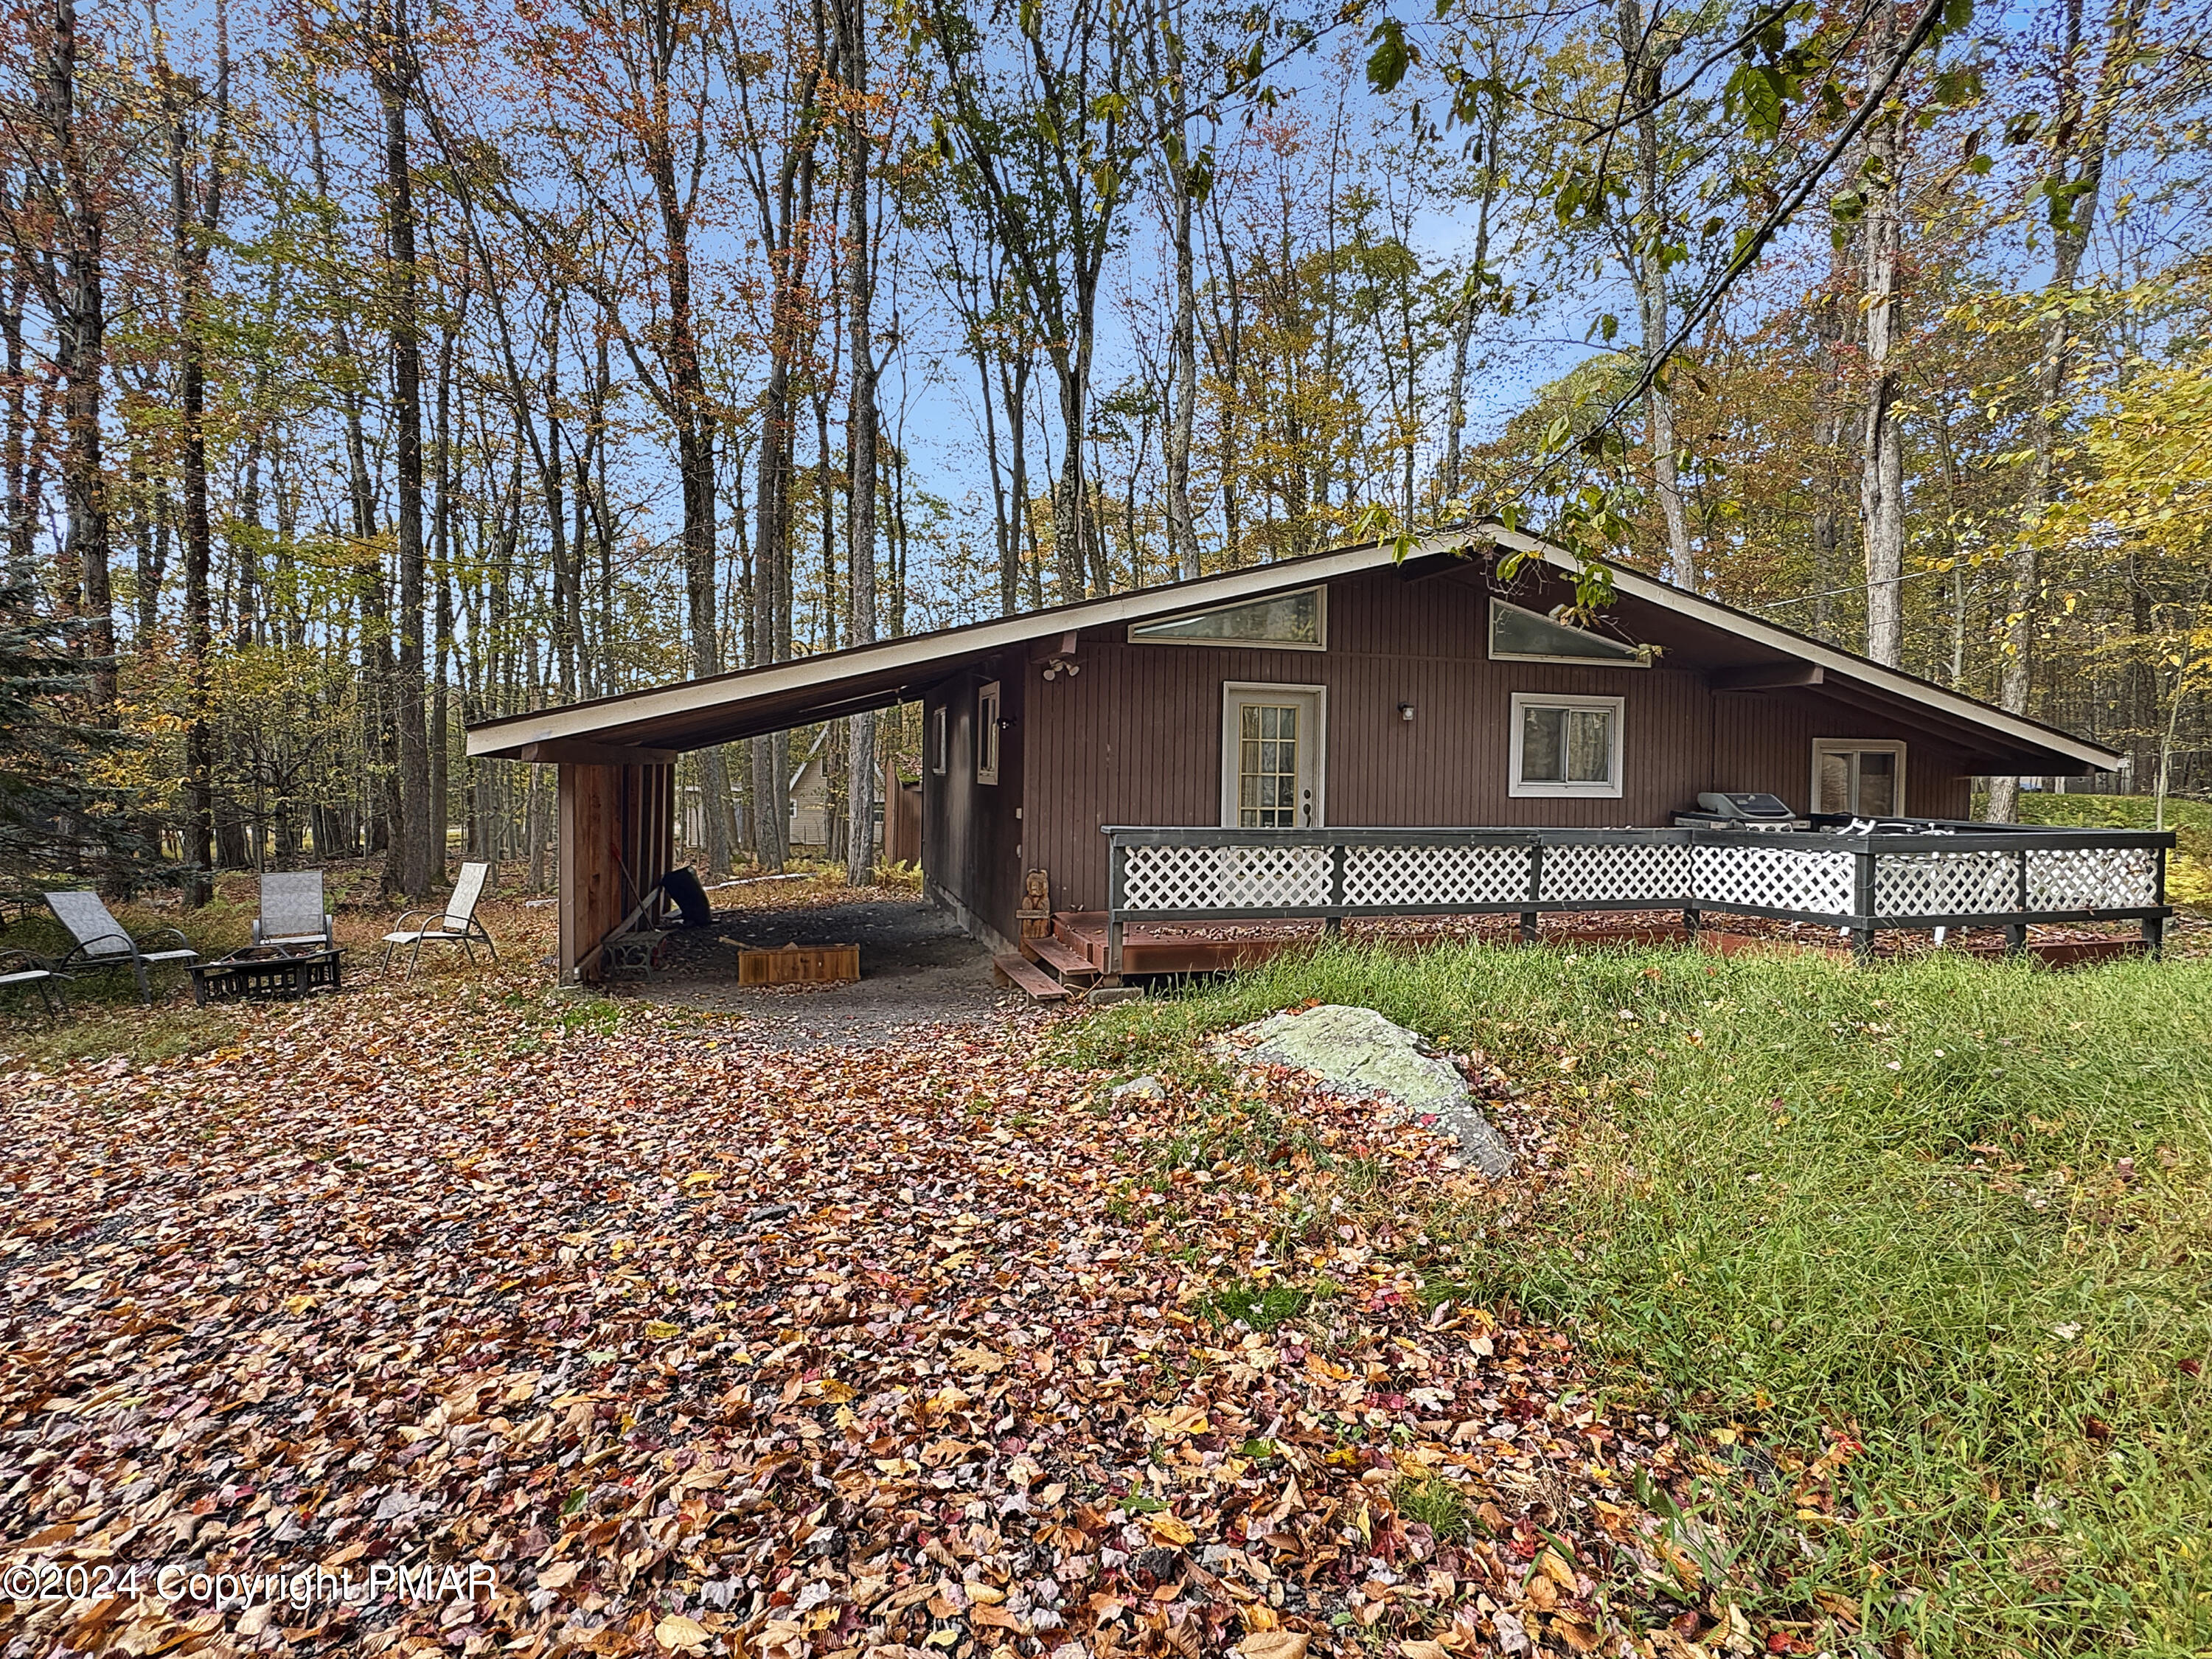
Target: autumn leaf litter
x,y
933,1348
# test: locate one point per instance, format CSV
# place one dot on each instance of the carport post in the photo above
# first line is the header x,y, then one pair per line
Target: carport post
x,y
618,831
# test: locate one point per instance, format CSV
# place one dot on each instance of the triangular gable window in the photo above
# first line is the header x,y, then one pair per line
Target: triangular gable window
x,y
1518,635
1295,621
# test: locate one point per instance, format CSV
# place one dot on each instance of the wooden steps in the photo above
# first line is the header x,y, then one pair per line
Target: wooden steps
x,y
1072,966
1026,976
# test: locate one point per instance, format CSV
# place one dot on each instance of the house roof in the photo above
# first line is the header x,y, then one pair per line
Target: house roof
x,y
723,708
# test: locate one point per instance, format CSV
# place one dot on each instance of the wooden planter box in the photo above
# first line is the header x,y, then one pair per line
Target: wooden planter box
x,y
797,965
271,977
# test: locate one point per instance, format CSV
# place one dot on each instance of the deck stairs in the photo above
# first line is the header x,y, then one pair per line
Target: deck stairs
x,y
1054,966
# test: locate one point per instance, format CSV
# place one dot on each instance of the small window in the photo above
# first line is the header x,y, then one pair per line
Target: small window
x,y
1858,775
1295,622
1566,745
987,733
937,744
1518,635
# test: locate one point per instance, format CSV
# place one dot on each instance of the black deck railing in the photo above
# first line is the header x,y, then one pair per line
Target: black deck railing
x,y
1942,873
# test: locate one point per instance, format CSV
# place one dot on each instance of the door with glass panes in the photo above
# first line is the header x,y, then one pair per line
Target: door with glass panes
x,y
1272,756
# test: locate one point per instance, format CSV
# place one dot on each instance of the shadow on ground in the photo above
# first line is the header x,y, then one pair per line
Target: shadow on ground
x,y
917,969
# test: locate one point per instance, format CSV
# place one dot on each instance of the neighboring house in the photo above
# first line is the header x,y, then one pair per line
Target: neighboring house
x,y
1342,688
810,797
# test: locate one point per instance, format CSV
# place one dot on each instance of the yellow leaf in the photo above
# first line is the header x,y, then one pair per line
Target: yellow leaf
x,y
1176,1424
1422,1650
700,1177
678,1631
660,1329
1168,1528
1274,1644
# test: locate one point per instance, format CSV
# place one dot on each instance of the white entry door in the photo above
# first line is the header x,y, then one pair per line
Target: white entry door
x,y
1273,756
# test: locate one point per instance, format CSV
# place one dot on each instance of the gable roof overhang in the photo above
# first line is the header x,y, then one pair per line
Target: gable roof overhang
x,y
655,723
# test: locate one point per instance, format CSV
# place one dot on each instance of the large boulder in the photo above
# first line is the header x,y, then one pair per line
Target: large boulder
x,y
1357,1054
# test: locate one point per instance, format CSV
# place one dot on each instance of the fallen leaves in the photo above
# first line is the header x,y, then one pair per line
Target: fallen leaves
x,y
710,1348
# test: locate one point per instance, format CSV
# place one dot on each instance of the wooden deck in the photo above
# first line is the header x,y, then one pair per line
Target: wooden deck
x,y
1178,947
1070,960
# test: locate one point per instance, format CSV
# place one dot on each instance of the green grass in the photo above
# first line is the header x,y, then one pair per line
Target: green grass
x,y
2189,869
1263,1307
1959,1212
2192,819
212,930
1436,1503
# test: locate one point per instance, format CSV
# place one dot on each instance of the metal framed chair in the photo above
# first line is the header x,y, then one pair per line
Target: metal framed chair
x,y
455,924
292,912
29,968
101,941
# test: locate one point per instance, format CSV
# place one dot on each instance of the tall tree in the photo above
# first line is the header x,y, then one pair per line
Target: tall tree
x,y
2078,139
1184,177
1881,451
1049,143
57,231
862,421
1648,43
782,118
196,193
410,862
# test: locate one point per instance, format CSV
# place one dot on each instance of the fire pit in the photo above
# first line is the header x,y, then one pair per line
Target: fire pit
x,y
266,973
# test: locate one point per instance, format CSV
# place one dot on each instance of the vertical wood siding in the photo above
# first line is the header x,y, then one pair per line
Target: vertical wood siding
x,y
1135,738
1770,735
618,830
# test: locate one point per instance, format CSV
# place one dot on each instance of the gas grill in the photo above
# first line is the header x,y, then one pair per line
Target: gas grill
x,y
1730,809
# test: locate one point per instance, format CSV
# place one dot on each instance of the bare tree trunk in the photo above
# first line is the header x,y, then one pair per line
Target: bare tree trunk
x,y
194,214
1881,455
1832,317
442,560
771,816
1182,339
1644,51
15,447
1071,516
408,864
73,290
861,422
1463,317
694,415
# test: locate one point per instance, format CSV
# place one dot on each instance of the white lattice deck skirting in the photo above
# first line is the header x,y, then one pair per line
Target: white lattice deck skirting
x,y
2092,879
1381,876
1950,874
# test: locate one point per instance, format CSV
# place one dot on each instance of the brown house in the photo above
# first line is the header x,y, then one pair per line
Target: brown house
x,y
1348,687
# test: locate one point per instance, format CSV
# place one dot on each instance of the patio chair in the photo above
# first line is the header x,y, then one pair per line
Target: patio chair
x,y
455,924
292,912
27,968
101,941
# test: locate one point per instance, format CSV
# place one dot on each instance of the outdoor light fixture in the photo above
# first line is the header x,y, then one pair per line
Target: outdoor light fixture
x,y
1062,665
1405,711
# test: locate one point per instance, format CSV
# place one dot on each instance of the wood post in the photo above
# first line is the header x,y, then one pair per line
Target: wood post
x,y
1862,902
